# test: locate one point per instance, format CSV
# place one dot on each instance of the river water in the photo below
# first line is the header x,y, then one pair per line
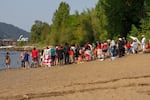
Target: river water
x,y
15,59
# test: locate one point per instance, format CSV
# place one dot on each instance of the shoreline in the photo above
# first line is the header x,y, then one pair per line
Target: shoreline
x,y
122,79
92,61
18,48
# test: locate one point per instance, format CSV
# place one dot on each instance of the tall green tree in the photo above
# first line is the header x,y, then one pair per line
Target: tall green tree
x,y
36,31
45,34
145,26
61,14
102,19
121,14
60,20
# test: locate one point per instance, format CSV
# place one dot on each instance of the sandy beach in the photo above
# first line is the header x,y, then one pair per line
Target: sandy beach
x,y
126,78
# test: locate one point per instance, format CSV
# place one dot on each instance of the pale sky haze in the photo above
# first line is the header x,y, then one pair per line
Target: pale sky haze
x,y
23,13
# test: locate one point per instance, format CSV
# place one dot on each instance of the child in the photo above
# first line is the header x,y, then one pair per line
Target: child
x,y
71,55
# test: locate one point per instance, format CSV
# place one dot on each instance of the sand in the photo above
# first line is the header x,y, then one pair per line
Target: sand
x,y
126,78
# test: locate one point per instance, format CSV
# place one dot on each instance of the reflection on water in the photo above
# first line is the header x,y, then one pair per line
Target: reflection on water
x,y
15,59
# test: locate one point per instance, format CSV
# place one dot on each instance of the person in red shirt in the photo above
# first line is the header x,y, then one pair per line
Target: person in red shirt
x,y
99,50
104,50
35,55
148,45
129,47
148,48
71,56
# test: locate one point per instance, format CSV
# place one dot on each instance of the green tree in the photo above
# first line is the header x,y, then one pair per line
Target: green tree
x,y
134,31
45,34
36,31
60,20
121,14
108,19
102,19
61,15
145,26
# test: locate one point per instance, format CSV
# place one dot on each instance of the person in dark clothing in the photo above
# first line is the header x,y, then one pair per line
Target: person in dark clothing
x,y
66,54
124,42
77,53
60,55
26,59
120,47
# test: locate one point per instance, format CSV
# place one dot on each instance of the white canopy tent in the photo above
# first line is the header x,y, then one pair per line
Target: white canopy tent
x,y
135,38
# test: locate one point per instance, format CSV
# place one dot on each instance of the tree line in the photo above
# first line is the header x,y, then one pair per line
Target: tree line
x,y
109,19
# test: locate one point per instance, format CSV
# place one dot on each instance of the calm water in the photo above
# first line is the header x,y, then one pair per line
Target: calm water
x,y
15,59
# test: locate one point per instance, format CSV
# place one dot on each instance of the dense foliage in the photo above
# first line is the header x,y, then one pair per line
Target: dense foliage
x,y
108,19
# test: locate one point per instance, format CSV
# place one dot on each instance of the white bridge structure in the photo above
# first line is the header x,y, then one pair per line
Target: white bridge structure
x,y
21,38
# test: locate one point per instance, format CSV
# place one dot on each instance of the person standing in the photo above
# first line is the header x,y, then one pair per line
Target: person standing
x,y
53,56
99,50
76,54
66,54
120,47
22,59
104,50
26,59
71,56
47,57
128,47
143,43
60,53
135,46
7,60
112,49
35,59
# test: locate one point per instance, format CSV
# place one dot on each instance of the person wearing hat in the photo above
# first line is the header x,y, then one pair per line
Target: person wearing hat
x,y
143,43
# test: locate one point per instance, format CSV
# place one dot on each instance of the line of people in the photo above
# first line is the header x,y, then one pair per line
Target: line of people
x,y
69,54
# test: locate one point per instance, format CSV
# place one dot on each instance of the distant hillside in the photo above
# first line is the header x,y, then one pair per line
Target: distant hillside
x,y
8,31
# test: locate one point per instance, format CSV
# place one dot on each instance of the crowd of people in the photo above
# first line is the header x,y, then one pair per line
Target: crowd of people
x,y
76,54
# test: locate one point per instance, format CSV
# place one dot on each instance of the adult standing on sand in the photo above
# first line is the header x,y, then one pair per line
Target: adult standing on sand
x,y
35,56
7,60
47,57
26,59
22,59
66,54
143,43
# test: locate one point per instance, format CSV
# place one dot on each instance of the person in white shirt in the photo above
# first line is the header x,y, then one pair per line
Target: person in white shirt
x,y
47,57
134,46
143,43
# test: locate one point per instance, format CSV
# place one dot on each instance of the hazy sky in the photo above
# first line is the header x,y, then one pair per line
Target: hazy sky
x,y
23,13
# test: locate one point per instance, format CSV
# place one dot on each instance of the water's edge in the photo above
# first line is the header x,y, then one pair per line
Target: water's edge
x,y
15,59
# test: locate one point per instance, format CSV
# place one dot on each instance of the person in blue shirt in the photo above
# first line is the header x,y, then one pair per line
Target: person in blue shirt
x,y
53,55
26,59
